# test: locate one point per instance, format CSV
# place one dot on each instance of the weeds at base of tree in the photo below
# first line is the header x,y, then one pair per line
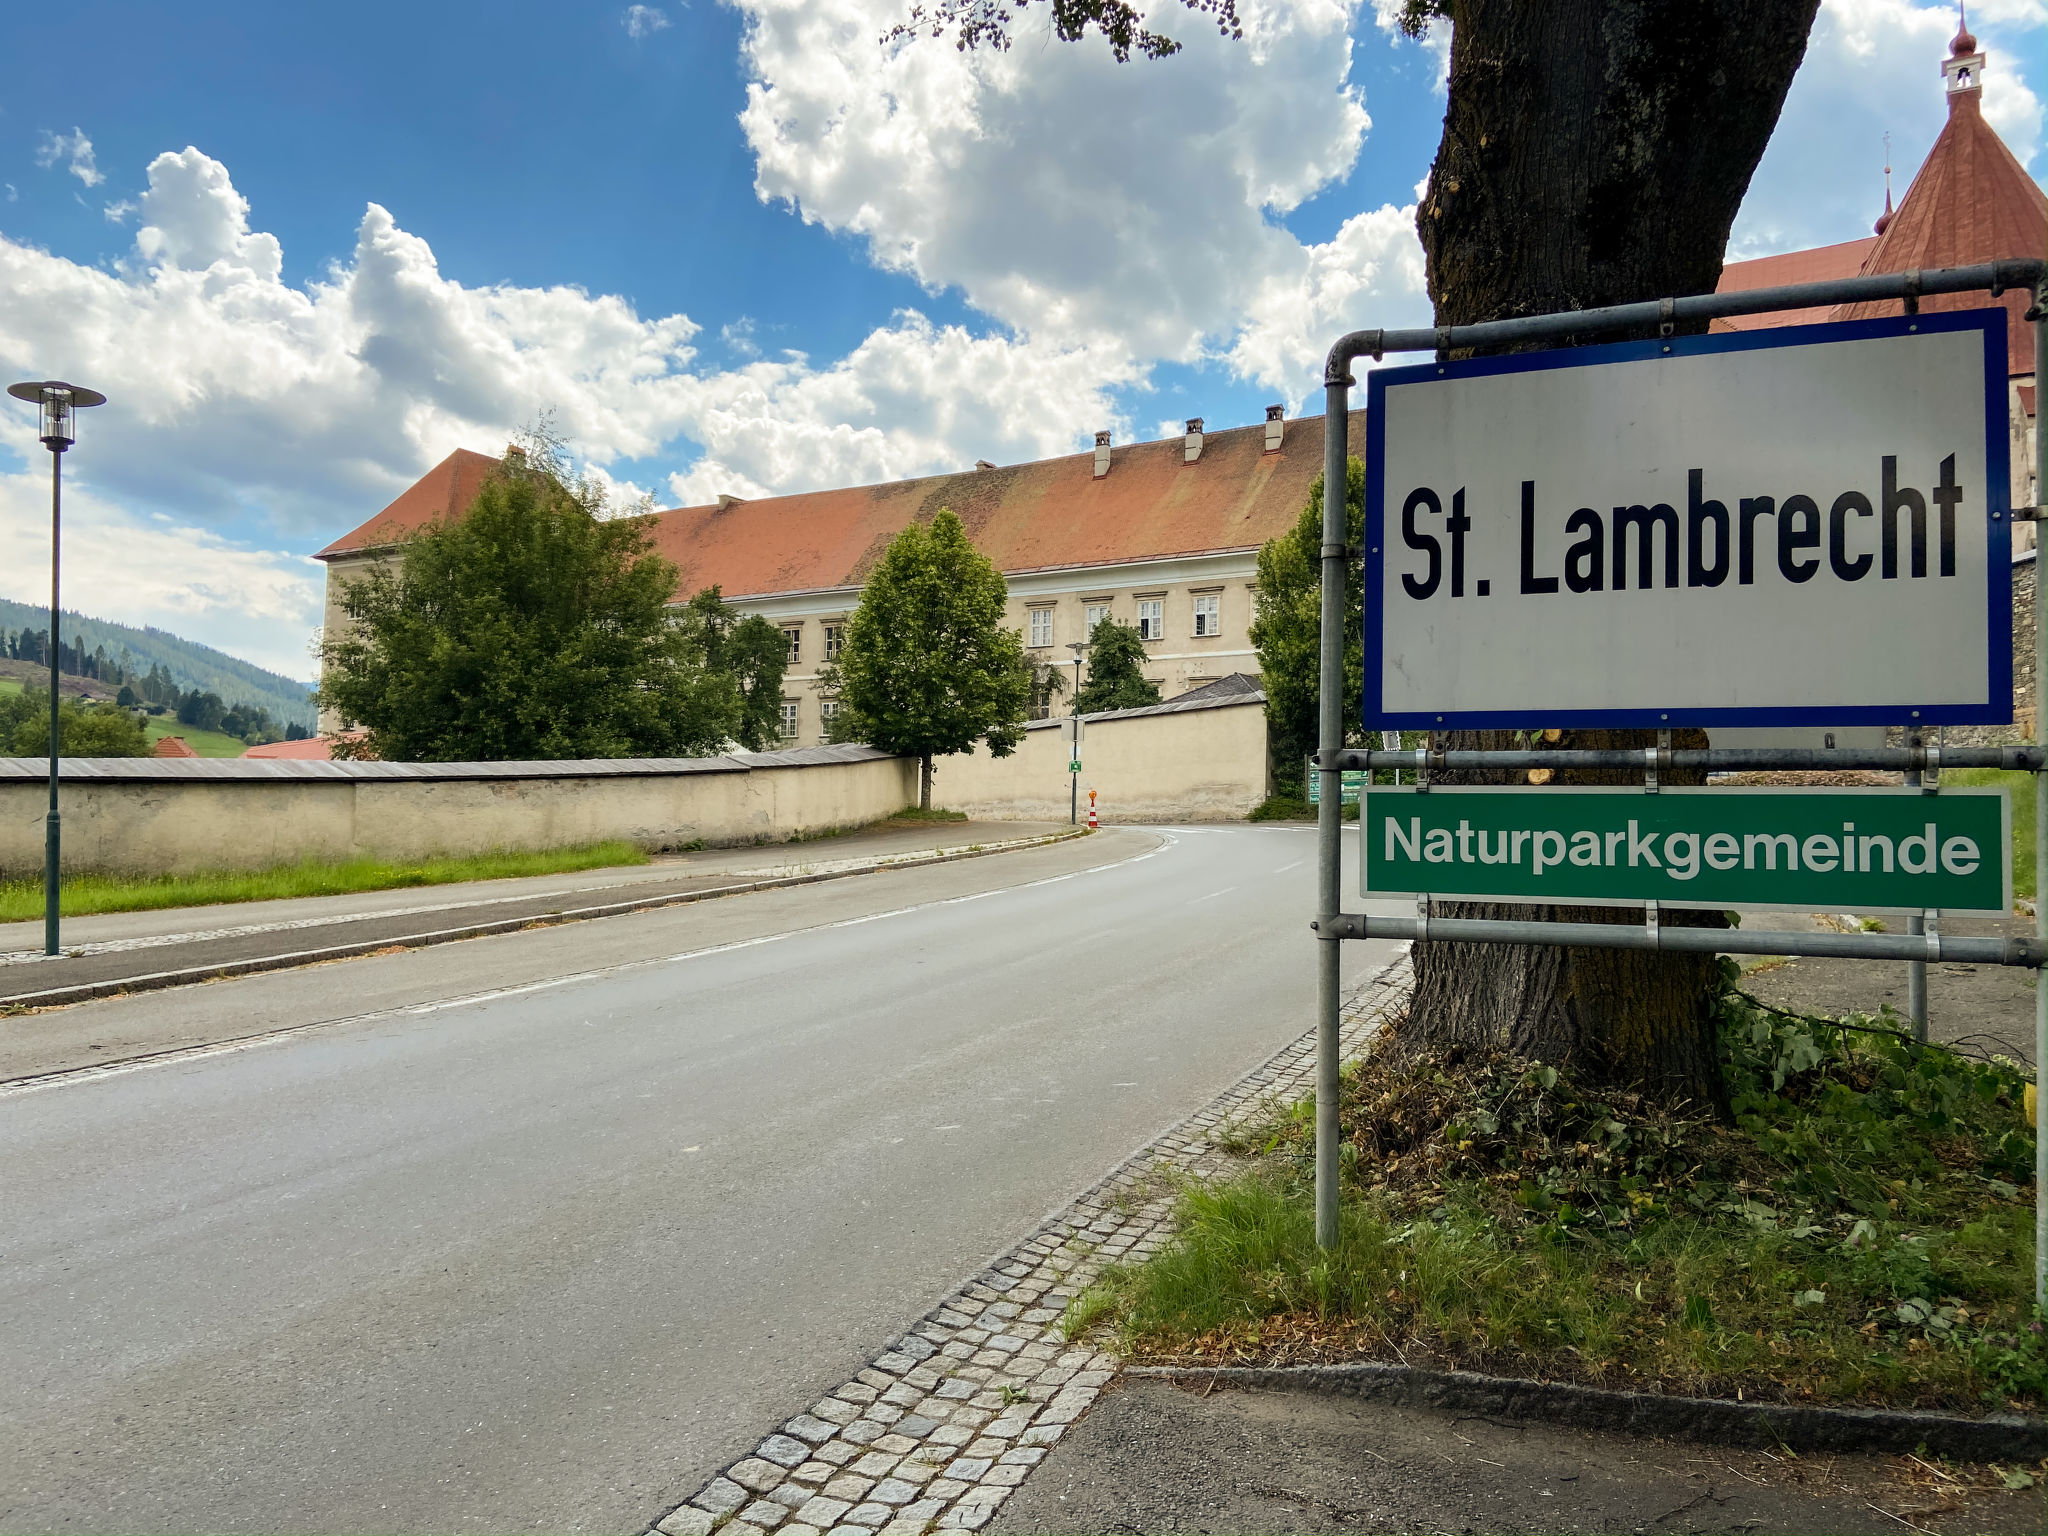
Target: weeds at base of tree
x,y
1861,1234
81,895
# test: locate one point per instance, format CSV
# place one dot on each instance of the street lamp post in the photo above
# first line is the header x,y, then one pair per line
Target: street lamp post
x,y
59,431
1079,648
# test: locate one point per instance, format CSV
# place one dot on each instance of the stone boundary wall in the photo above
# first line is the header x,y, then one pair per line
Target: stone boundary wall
x,y
1196,760
152,816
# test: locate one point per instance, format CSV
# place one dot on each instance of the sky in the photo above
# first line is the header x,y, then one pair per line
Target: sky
x,y
726,246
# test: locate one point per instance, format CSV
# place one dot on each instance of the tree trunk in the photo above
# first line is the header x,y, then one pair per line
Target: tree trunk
x,y
924,782
1594,152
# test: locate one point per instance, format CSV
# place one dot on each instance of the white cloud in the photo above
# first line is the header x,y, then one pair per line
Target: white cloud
x,y
1078,201
258,604
75,149
118,212
1874,67
644,21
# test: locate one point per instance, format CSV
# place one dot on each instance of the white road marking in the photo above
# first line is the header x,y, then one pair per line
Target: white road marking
x,y
1196,901
72,1075
1286,867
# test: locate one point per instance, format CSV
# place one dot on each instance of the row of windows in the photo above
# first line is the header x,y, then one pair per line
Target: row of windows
x,y
828,711
1151,618
835,635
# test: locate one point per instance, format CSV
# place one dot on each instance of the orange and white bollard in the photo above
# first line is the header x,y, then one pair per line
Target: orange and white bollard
x,y
1093,819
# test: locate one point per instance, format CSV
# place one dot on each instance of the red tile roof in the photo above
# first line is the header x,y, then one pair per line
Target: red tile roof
x,y
1971,202
1048,514
172,746
311,748
450,486
1819,265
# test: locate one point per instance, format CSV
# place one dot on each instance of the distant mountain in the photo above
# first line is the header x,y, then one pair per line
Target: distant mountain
x,y
192,665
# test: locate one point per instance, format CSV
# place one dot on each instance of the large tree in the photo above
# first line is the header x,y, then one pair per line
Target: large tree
x,y
529,627
752,652
1594,152
1116,671
926,667
83,730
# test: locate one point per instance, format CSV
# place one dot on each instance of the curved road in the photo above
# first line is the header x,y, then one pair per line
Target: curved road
x,y
539,1230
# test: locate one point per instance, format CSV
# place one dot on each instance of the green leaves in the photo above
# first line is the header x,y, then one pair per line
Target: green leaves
x,y
1116,671
531,628
1287,626
927,668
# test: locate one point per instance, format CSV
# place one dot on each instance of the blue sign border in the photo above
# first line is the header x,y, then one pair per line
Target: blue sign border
x,y
1991,322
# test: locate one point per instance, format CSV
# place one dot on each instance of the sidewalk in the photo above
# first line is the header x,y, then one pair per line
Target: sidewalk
x,y
135,951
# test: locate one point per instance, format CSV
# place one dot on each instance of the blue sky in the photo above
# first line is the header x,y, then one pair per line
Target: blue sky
x,y
733,246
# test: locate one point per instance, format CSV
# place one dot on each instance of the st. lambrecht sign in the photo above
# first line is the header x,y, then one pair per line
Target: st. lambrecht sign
x,y
1843,850
1797,526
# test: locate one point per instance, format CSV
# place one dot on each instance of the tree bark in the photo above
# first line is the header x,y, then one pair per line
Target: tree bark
x,y
1594,152
924,782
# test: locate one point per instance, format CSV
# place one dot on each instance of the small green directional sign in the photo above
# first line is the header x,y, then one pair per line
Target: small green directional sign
x,y
1826,850
1074,766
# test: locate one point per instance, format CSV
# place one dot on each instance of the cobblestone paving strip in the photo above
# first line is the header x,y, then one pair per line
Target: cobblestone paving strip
x,y
949,1419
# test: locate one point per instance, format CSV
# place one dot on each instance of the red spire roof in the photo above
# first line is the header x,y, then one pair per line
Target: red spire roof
x,y
1971,202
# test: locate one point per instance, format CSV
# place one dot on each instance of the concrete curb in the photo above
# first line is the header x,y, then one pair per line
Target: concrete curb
x,y
2001,1437
152,981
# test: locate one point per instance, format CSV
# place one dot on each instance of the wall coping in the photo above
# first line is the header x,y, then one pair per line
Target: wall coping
x,y
216,770
1186,705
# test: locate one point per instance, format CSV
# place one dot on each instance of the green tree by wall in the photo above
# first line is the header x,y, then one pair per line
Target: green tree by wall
x,y
752,652
95,730
927,667
1286,629
530,627
1116,671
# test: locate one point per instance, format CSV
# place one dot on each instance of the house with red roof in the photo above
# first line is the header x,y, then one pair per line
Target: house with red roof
x,y
1165,535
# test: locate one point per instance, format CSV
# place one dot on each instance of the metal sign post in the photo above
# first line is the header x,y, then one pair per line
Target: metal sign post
x,y
1556,539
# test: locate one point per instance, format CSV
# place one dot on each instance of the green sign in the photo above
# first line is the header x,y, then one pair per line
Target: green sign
x,y
1352,778
1826,850
1074,766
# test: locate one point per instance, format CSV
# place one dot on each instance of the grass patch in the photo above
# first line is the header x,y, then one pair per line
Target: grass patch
x,y
1290,808
21,900
205,743
2020,787
1861,1233
917,813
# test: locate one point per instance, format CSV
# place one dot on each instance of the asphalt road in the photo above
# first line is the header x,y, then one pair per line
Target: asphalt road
x,y
536,1231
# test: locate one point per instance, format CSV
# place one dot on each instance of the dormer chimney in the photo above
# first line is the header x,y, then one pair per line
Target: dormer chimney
x,y
1191,445
1276,426
1963,69
1101,454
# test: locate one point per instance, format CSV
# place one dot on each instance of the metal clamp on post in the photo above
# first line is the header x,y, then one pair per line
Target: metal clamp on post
x,y
1650,922
1912,300
1422,917
1932,917
1422,770
1650,770
1930,776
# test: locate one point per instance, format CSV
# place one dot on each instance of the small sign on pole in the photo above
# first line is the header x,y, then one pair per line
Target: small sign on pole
x,y
1816,850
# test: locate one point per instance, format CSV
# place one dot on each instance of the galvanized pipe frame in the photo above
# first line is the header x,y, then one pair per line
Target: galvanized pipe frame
x,y
1332,925
1712,941
1930,760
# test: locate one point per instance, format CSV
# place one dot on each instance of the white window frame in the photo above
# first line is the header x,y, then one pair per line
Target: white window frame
x,y
791,711
1093,614
1041,627
1208,615
828,711
835,641
1151,618
794,633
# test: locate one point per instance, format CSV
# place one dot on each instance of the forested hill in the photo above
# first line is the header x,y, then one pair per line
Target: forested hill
x,y
192,665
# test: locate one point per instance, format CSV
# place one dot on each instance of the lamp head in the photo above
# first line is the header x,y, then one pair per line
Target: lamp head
x,y
58,401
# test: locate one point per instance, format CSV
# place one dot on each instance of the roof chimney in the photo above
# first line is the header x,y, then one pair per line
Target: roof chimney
x,y
983,464
1101,454
727,501
1276,426
1191,446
